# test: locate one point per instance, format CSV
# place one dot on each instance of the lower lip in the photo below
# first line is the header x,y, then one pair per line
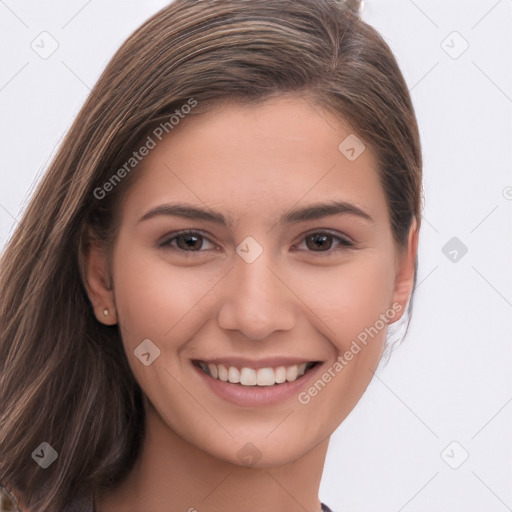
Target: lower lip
x,y
251,396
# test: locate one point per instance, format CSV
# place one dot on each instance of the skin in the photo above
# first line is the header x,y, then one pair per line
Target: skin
x,y
292,300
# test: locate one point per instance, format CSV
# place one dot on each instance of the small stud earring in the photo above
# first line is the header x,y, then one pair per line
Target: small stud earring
x,y
105,312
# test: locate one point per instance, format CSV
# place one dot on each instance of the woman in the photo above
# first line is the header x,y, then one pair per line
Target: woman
x,y
200,288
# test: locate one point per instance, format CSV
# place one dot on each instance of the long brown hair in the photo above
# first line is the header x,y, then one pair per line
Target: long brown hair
x,y
65,379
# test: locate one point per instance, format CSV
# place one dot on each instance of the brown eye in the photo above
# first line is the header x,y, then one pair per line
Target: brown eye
x,y
322,242
185,242
189,242
319,241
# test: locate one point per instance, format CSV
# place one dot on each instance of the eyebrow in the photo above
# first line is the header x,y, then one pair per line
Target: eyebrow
x,y
311,212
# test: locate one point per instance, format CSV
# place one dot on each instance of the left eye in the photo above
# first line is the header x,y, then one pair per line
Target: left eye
x,y
187,241
192,241
323,239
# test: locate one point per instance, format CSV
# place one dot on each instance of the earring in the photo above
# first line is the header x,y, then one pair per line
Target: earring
x,y
105,312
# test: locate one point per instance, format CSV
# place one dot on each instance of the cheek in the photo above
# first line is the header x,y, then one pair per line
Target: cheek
x,y
348,303
155,299
351,297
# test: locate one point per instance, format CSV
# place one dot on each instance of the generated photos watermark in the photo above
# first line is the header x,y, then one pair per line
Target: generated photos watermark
x,y
151,142
356,347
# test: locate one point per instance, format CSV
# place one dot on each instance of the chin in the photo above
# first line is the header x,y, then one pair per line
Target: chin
x,y
261,453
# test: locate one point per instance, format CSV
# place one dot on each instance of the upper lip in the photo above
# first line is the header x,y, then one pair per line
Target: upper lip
x,y
269,362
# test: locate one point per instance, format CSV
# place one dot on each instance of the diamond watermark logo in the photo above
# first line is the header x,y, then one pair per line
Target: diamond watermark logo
x,y
454,249
455,455
249,455
454,45
45,45
147,352
249,249
351,147
44,455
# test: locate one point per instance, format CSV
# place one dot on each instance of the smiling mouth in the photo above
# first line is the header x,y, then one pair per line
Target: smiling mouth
x,y
246,376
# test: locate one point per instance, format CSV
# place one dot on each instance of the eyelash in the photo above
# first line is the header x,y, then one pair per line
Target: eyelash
x,y
344,243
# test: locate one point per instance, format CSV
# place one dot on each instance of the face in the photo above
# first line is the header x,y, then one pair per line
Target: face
x,y
265,286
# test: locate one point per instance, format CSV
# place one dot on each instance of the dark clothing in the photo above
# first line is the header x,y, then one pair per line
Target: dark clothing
x,y
84,503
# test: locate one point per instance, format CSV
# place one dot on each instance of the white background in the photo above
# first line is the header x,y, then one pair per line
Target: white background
x,y
451,379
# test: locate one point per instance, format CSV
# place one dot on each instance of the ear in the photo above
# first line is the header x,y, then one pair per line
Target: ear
x,y
98,284
405,269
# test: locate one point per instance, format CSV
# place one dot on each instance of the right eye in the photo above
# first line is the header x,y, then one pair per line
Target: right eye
x,y
186,242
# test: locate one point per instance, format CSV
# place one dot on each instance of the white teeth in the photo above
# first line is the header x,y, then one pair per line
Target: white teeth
x,y
292,373
233,375
248,377
280,374
222,372
265,377
252,377
213,370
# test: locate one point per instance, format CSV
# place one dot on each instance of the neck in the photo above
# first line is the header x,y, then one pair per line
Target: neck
x,y
172,475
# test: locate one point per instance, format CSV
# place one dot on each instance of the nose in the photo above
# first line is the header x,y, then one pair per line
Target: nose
x,y
257,300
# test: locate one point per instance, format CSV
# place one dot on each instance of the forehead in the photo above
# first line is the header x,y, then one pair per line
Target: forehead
x,y
259,158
